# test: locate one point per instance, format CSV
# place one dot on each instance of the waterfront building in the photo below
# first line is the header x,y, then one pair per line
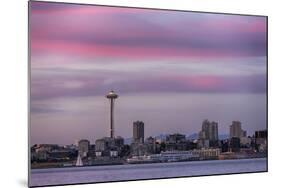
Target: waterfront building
x,y
83,147
175,156
92,150
245,142
138,149
41,155
71,146
52,152
104,145
108,146
261,140
98,153
113,153
224,146
234,144
176,142
45,147
138,132
261,134
210,153
119,141
62,154
151,145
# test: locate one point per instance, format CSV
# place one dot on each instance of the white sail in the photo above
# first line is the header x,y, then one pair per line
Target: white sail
x,y
79,161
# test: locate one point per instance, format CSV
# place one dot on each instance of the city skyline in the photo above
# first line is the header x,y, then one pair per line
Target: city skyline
x,y
161,136
135,136
171,70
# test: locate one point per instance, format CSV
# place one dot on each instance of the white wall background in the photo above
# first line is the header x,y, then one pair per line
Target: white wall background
x,y
13,86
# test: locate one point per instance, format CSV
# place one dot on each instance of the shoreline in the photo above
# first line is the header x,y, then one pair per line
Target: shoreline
x,y
143,163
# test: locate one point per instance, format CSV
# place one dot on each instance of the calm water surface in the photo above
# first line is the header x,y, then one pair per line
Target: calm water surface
x,y
55,176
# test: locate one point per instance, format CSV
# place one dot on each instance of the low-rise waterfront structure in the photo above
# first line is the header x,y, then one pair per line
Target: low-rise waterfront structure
x,y
175,156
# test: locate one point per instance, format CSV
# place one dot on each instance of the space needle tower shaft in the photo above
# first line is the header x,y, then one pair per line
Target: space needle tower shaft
x,y
112,96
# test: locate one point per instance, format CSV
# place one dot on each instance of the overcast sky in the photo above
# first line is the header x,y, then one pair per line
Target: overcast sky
x,y
170,69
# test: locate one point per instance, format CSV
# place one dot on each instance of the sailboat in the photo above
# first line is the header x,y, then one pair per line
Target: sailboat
x,y
79,161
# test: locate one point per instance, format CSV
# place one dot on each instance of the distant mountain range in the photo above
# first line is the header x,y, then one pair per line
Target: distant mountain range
x,y
196,136
161,137
223,136
193,136
128,141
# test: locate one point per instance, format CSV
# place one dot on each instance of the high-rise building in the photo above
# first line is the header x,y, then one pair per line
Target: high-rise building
x,y
204,133
138,132
209,130
214,131
208,136
236,130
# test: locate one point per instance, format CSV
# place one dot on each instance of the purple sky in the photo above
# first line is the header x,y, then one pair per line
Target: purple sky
x,y
171,69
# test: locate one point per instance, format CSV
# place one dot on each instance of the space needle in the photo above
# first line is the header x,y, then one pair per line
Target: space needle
x,y
112,96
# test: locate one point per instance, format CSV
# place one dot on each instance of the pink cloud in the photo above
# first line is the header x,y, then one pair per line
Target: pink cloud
x,y
76,10
206,82
74,30
198,82
237,24
138,52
